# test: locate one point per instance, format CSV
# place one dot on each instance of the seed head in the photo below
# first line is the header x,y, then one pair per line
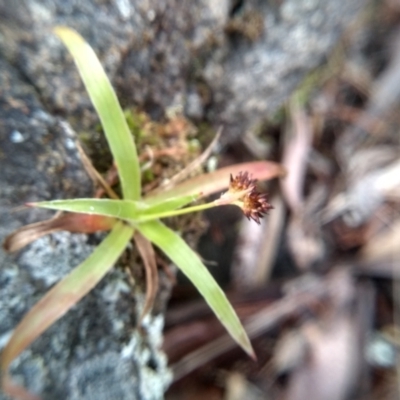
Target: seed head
x,y
255,205
243,192
242,181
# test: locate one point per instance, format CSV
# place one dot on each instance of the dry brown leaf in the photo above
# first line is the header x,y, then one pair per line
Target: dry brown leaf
x,y
187,171
72,222
306,294
147,253
303,233
295,158
94,174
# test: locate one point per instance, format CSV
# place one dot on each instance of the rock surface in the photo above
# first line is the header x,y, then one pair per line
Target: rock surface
x,y
226,63
95,351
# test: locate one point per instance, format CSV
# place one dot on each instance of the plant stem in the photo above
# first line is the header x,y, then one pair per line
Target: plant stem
x,y
225,199
174,213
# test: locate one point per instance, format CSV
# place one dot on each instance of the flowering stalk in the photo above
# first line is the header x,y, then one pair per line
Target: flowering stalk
x,y
242,192
175,213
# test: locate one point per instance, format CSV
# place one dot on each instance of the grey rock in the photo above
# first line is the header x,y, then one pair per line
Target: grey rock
x,y
254,78
230,63
95,351
242,63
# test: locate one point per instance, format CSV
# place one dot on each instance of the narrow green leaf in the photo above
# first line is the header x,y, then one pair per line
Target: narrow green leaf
x,y
109,110
127,210
66,293
189,263
123,209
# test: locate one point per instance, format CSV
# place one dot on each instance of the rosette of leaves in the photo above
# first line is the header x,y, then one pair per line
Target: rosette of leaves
x,y
130,217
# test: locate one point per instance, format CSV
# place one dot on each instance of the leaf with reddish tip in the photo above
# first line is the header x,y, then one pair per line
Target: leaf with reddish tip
x,y
72,222
190,264
65,294
218,180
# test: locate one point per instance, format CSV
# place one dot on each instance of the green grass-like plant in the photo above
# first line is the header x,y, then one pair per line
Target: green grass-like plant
x,y
127,218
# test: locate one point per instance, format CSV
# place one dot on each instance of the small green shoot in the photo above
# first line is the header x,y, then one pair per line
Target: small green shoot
x,y
131,217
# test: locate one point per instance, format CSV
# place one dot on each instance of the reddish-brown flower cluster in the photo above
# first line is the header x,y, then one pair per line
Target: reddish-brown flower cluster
x,y
253,203
242,181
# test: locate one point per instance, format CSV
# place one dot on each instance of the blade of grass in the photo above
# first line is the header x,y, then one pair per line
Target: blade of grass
x,y
65,294
127,210
189,263
108,109
218,180
122,209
